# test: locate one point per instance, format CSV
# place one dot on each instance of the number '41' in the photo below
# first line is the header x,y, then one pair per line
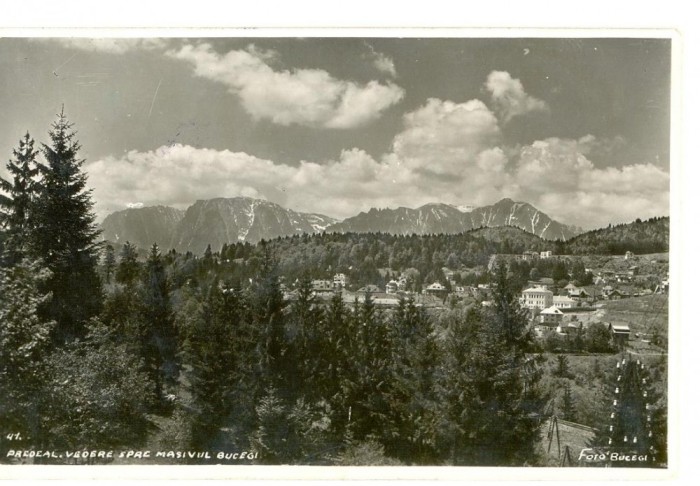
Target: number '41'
x,y
13,436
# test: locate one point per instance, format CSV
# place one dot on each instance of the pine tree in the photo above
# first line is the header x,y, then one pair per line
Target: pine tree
x,y
637,420
497,391
367,382
110,263
64,235
128,270
208,259
161,338
268,305
563,370
455,383
304,347
15,206
335,360
568,409
209,363
412,394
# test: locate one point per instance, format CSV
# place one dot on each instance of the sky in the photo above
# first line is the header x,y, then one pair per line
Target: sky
x,y
579,128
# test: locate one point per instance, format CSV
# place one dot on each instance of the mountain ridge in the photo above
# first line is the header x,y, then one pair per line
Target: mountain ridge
x,y
448,219
227,220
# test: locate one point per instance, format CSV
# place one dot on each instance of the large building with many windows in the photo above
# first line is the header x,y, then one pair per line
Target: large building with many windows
x,y
537,298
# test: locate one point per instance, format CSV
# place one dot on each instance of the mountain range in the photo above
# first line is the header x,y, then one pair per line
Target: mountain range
x,y
229,220
446,219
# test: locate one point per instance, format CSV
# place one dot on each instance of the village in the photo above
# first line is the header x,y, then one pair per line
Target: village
x,y
561,308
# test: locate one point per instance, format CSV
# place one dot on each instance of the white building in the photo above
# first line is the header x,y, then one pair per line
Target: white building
x,y
546,254
537,298
551,316
564,302
339,280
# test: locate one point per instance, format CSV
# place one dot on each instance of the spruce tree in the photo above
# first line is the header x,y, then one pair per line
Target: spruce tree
x,y
636,423
161,338
64,234
128,269
568,409
412,393
304,346
455,383
268,305
335,359
497,393
367,384
110,263
563,370
15,204
209,363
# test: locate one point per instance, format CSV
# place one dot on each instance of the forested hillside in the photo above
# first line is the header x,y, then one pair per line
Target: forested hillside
x,y
361,255
650,236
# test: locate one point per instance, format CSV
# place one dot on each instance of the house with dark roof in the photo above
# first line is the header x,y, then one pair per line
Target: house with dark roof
x,y
551,317
617,294
620,332
437,289
579,294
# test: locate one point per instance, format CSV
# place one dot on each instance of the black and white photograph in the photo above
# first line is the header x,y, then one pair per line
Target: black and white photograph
x,y
335,250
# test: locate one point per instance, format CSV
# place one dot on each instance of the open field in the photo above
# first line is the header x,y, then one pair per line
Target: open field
x,y
648,320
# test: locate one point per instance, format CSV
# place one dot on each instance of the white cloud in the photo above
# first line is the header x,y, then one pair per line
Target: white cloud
x,y
445,137
555,176
108,45
309,97
509,97
382,62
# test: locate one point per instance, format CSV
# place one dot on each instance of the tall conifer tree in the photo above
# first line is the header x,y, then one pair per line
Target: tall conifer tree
x,y
161,338
15,204
64,234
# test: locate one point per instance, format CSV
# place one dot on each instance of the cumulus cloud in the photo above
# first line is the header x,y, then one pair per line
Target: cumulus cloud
x,y
309,97
509,96
107,45
445,138
555,176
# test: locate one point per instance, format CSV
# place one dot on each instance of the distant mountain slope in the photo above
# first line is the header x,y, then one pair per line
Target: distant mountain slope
x,y
214,221
142,226
507,212
446,219
650,236
226,220
428,219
